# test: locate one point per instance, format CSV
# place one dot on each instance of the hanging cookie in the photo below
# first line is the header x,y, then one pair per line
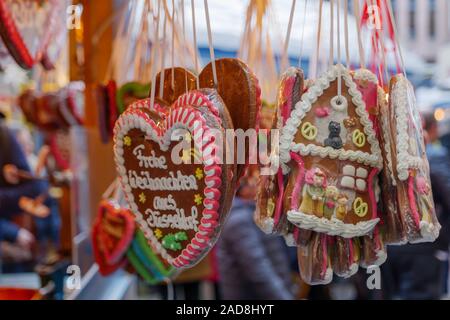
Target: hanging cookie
x,y
333,176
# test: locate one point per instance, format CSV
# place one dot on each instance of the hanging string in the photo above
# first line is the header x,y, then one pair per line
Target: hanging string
x,y
331,58
173,45
347,50
303,34
358,31
394,26
162,59
195,44
288,32
210,43
319,27
338,21
152,98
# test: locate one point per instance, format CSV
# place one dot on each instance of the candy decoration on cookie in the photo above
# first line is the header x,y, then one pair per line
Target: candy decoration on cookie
x,y
149,162
333,181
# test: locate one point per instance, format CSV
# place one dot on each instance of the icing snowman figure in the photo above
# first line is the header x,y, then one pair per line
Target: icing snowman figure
x,y
341,208
313,192
331,196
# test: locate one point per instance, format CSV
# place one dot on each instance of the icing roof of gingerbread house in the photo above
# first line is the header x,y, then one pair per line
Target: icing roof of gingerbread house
x,y
372,158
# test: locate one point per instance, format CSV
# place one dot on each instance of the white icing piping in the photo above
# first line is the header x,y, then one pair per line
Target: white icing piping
x,y
135,120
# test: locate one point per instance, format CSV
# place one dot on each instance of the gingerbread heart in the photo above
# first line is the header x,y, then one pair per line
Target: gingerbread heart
x,y
176,202
177,81
26,27
112,234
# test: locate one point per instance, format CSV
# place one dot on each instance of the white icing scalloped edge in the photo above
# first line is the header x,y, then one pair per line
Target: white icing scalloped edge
x,y
385,132
399,104
304,105
333,227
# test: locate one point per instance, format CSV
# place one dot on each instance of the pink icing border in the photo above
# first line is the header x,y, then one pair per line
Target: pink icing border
x,y
412,201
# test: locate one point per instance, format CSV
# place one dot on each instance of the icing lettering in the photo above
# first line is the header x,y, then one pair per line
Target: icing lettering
x,y
176,221
151,161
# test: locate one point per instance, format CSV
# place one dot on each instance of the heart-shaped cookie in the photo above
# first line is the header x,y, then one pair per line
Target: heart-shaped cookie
x,y
112,234
173,190
26,27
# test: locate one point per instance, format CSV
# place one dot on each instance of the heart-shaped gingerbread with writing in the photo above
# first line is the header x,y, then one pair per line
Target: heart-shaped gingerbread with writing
x,y
176,202
26,27
112,234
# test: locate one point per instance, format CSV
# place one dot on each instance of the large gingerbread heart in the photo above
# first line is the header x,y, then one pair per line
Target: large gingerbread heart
x,y
26,27
177,200
112,234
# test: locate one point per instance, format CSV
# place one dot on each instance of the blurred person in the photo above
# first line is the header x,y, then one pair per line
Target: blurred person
x,y
418,271
252,265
